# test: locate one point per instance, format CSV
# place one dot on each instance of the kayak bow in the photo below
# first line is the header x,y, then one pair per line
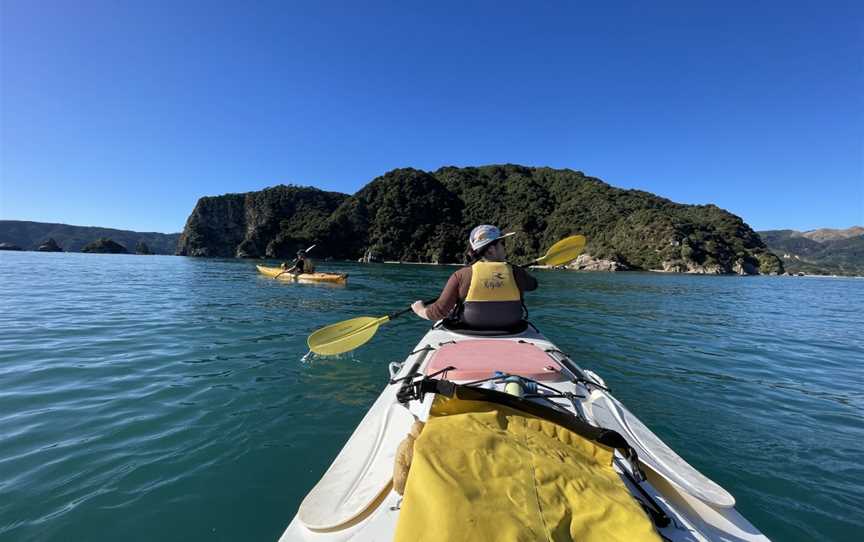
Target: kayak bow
x,y
552,409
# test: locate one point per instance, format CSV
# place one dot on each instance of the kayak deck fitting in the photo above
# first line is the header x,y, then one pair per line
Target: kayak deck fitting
x,y
278,272
355,499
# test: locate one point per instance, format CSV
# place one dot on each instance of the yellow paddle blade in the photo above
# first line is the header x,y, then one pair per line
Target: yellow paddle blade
x,y
344,336
564,251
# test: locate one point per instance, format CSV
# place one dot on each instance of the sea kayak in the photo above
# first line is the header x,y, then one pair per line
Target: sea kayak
x,y
336,278
519,443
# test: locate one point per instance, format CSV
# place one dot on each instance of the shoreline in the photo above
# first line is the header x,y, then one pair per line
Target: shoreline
x,y
538,267
559,268
411,263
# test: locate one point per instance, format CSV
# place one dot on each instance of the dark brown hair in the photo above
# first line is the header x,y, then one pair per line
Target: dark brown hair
x,y
474,256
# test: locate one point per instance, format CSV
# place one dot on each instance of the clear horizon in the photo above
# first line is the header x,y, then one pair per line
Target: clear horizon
x,y
123,115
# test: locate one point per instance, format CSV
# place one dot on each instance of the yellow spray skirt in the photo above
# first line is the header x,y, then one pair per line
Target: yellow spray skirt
x,y
485,472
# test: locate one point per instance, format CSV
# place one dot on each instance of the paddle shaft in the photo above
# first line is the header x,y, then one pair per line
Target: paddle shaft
x,y
283,272
525,265
403,311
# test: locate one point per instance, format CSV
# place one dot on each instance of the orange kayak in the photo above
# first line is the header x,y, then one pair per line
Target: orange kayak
x,y
337,278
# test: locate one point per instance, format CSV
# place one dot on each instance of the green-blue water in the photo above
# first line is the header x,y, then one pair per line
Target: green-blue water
x,y
164,398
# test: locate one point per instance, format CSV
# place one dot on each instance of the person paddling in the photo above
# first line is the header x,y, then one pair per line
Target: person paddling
x,y
301,265
486,294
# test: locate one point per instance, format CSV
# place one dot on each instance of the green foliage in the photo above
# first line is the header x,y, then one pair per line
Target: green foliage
x,y
412,215
769,263
405,215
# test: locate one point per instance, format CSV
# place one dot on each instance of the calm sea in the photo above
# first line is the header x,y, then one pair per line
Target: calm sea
x,y
165,398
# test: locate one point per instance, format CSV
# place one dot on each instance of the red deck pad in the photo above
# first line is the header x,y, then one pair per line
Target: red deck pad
x,y
477,359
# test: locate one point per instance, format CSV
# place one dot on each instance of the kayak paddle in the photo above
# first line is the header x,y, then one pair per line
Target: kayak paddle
x,y
295,261
564,251
350,334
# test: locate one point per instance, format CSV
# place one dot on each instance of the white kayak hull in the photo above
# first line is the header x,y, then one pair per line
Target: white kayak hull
x,y
354,499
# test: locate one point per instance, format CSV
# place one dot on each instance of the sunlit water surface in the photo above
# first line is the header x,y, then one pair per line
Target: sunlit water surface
x,y
164,398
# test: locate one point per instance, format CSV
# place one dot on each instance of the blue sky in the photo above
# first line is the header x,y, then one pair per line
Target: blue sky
x,y
122,114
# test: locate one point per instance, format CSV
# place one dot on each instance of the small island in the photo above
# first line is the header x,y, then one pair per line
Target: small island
x,y
49,246
105,246
410,215
9,246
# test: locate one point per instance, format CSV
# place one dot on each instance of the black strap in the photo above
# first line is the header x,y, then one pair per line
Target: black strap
x,y
657,514
606,437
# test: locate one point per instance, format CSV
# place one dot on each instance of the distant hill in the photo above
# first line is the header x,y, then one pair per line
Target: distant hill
x,y
418,216
29,235
819,252
827,234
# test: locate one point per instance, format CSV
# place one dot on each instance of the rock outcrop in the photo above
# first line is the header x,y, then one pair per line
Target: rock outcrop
x,y
586,262
272,223
105,246
49,246
9,246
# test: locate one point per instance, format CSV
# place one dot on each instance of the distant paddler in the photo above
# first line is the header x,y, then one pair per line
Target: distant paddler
x,y
302,265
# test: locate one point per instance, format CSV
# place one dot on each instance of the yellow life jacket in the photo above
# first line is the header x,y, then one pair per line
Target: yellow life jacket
x,y
494,300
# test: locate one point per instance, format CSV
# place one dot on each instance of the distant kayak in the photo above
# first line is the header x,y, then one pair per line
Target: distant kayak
x,y
336,278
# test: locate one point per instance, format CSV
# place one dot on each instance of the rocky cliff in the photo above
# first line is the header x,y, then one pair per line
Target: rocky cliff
x,y
413,215
271,223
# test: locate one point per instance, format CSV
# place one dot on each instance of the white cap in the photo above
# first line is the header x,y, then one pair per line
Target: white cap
x,y
484,234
